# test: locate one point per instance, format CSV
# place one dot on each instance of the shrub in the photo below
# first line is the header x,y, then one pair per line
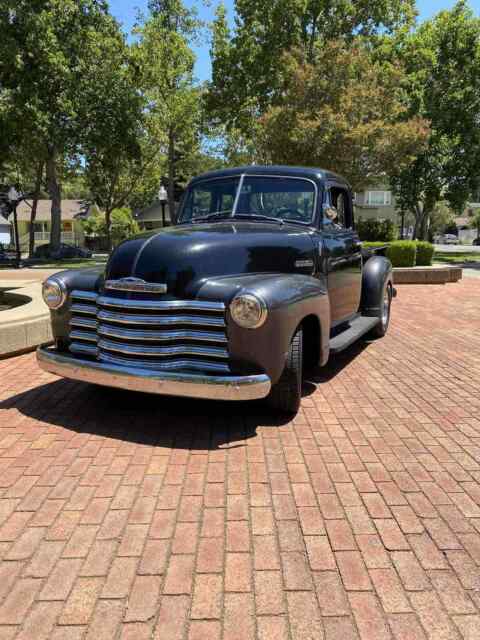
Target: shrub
x,y
402,253
424,254
375,230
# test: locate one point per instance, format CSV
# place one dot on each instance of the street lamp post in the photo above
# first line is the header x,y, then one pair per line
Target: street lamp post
x,y
163,198
14,198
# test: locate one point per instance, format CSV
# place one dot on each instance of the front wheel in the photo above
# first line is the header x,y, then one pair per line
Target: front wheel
x,y
385,309
286,395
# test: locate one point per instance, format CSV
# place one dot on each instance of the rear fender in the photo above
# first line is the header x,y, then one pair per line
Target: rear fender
x,y
377,273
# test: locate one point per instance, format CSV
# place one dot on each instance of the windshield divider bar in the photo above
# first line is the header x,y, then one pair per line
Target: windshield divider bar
x,y
237,196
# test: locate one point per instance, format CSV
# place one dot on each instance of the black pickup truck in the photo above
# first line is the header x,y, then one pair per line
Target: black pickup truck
x,y
261,276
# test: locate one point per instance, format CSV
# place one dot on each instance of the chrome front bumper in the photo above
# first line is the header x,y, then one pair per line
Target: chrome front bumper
x,y
164,383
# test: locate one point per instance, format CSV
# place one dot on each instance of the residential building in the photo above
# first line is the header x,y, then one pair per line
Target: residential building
x,y
376,202
71,230
5,232
151,217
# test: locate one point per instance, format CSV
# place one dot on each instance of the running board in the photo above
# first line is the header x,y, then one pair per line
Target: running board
x,y
355,330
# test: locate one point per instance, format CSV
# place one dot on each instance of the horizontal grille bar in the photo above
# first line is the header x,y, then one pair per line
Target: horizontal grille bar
x,y
162,305
88,323
122,318
161,336
85,349
183,364
88,336
88,309
164,352
84,295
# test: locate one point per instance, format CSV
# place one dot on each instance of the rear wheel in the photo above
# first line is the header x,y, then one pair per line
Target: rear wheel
x,y
286,395
385,308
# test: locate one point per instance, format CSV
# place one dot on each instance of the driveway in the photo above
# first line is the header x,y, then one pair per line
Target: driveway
x,y
132,517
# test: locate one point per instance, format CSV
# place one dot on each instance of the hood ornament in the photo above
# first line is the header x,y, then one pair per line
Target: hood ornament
x,y
136,285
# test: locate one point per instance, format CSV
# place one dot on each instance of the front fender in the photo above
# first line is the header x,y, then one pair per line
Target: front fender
x,y
290,299
377,272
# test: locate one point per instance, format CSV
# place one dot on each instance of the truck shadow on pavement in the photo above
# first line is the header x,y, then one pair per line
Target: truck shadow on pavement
x,y
177,423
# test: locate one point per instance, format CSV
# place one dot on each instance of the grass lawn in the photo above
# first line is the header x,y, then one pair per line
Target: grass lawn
x,y
455,257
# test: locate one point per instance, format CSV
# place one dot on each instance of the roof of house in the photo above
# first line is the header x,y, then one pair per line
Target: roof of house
x,y
70,209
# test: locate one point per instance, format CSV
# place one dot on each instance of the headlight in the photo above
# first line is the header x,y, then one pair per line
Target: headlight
x,y
54,293
248,311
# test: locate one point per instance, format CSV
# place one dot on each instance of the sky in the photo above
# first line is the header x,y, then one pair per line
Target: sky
x,y
126,11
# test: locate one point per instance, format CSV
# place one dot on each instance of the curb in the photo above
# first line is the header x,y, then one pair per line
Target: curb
x,y
25,327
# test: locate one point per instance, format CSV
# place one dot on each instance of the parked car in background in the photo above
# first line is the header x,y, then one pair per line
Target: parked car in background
x,y
262,275
65,252
447,238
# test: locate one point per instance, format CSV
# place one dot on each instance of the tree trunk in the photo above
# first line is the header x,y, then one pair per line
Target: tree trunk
x,y
108,224
55,192
33,214
171,174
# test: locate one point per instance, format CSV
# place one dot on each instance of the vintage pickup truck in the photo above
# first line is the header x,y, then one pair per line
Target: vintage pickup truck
x,y
261,276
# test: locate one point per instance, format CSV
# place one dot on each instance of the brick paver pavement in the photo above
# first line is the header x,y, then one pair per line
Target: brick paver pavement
x,y
125,516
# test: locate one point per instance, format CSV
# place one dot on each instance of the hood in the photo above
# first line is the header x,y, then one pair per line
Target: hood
x,y
184,256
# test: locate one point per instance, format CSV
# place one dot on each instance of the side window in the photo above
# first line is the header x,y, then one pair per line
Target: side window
x,y
337,209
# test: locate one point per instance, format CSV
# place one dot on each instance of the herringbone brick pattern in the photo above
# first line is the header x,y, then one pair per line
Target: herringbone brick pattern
x,y
125,516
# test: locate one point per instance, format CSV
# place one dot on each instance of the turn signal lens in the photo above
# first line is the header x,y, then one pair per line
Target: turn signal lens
x,y
54,293
248,311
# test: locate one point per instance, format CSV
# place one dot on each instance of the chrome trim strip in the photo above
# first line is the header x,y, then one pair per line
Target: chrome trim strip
x,y
194,305
162,336
175,365
135,285
78,347
88,323
84,308
84,295
164,383
122,318
164,352
83,335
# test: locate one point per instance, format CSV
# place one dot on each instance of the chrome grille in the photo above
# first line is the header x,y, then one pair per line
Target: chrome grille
x,y
149,333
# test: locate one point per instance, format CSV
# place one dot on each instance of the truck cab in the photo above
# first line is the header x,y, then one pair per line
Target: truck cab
x,y
262,275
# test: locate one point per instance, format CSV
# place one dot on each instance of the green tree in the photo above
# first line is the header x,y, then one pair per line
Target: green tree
x,y
246,74
165,63
122,225
115,143
442,59
47,50
344,112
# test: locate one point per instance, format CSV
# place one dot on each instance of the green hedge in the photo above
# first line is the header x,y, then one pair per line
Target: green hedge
x,y
425,252
402,253
375,230
406,253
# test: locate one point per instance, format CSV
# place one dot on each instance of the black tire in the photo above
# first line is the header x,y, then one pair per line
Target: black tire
x,y
286,395
385,310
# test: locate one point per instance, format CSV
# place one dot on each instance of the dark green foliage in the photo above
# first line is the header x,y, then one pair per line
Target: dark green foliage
x,y
402,253
375,230
425,251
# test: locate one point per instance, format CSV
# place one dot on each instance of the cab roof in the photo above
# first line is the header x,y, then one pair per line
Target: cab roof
x,y
319,175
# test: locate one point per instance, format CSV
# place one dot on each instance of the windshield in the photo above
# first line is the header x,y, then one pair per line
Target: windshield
x,y
288,199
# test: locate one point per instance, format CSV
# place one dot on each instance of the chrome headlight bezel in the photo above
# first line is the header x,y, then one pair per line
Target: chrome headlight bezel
x,y
256,306
54,301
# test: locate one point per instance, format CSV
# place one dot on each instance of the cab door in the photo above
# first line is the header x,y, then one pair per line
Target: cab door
x,y
342,256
